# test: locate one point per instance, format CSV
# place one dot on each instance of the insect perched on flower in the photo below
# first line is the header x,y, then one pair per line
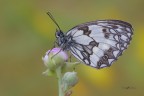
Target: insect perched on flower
x,y
97,43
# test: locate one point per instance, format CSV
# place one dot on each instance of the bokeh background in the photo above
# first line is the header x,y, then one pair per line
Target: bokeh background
x,y
26,33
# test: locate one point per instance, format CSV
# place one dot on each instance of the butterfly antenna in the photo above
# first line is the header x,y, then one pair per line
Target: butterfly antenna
x,y
50,15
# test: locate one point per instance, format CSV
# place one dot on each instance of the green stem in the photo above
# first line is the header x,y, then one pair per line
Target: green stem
x,y
59,75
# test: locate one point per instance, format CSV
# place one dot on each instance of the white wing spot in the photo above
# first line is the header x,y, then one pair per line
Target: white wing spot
x,y
122,48
125,44
102,24
110,60
128,29
103,65
93,65
104,46
119,26
115,53
80,32
86,61
123,37
129,34
84,39
95,29
116,37
98,51
95,35
118,46
112,31
119,30
94,59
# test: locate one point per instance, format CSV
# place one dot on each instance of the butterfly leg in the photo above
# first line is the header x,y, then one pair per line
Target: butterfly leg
x,y
70,57
55,43
56,54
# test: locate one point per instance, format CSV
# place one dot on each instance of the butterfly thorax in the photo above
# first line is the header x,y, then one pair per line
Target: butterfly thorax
x,y
63,41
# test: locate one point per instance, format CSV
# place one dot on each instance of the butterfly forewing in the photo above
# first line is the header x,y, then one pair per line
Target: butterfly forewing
x,y
99,43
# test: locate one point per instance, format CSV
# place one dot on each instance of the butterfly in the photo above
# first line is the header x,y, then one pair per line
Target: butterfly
x,y
97,43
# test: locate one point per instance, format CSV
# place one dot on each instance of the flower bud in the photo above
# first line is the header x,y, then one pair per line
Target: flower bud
x,y
69,80
54,58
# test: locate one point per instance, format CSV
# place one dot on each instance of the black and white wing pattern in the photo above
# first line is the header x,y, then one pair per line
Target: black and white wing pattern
x,y
100,43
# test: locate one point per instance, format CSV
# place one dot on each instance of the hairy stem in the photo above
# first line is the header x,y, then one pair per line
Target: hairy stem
x,y
59,76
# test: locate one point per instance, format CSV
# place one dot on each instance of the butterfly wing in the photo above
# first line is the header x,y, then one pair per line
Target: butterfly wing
x,y
101,42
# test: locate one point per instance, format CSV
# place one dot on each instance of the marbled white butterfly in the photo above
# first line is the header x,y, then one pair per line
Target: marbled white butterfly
x,y
97,43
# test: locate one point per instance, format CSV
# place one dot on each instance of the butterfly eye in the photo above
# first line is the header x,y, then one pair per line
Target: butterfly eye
x,y
59,34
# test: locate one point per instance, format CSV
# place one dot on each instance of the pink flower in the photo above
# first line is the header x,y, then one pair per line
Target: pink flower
x,y
59,52
55,57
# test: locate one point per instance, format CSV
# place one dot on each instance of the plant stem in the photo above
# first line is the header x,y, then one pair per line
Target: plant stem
x,y
59,76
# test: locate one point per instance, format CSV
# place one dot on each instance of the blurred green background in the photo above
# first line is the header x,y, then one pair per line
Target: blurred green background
x,y
26,33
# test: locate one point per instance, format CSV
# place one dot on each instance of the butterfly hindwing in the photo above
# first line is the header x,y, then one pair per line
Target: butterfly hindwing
x,y
99,43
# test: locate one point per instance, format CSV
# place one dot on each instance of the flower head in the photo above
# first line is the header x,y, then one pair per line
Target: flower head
x,y
54,58
58,52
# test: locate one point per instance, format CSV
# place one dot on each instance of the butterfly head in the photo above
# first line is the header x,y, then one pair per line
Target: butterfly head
x,y
59,34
